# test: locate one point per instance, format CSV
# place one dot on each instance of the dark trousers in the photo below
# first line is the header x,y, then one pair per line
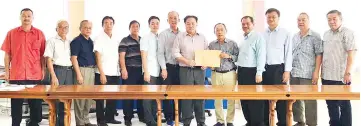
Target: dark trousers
x,y
65,77
135,77
336,106
192,76
252,109
34,104
274,76
172,79
150,105
110,109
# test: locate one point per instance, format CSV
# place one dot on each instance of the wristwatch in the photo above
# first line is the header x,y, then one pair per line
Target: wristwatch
x,y
348,74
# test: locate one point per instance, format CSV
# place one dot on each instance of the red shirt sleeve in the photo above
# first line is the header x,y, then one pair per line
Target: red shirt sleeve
x,y
6,45
42,41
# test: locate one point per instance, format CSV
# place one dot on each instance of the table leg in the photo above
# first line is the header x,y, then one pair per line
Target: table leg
x,y
159,112
67,111
52,109
176,113
272,107
289,112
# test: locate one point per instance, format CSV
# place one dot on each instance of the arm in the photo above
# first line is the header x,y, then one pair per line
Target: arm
x,y
122,51
351,48
177,54
7,59
260,55
49,54
75,50
318,52
288,54
161,51
42,50
144,46
235,52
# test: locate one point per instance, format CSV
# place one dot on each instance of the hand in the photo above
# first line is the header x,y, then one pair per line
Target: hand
x,y
347,78
286,77
103,79
164,74
147,77
315,78
80,79
54,81
224,55
258,78
191,63
124,74
7,76
203,67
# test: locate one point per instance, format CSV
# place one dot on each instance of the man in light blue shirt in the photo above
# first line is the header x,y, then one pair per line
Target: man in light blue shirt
x,y
151,68
278,61
251,62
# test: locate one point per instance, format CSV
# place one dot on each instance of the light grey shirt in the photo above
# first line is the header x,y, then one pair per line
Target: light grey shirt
x,y
149,44
229,47
185,46
305,50
279,47
335,45
165,45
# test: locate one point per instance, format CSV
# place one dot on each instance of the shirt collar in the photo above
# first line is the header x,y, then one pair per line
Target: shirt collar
x,y
59,38
170,30
225,40
32,29
338,30
194,35
106,35
130,37
82,37
249,34
276,29
309,33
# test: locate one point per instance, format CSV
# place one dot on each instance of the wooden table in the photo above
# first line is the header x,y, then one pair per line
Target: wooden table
x,y
37,92
261,92
67,93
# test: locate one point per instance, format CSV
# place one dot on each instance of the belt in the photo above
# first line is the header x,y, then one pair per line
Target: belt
x,y
88,66
63,67
192,67
224,71
172,65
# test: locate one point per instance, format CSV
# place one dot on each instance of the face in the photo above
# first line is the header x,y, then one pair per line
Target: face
x,y
303,22
334,21
134,29
154,25
220,31
191,25
247,25
86,29
63,28
272,19
108,25
26,17
173,19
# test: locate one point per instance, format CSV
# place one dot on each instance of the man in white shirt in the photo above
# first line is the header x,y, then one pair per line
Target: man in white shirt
x,y
108,72
57,52
151,67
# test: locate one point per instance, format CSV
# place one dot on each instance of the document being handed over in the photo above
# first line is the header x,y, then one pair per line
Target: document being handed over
x,y
208,58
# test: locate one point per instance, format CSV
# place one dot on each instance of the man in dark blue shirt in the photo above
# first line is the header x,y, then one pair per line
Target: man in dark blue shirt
x,y
83,60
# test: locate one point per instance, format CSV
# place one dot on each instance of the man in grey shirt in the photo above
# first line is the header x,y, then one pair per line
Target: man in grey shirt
x,y
339,49
167,62
183,50
307,57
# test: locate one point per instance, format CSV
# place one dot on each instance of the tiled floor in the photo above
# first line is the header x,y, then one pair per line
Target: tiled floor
x,y
239,120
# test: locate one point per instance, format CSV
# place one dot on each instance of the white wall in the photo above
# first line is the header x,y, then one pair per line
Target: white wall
x,y
208,12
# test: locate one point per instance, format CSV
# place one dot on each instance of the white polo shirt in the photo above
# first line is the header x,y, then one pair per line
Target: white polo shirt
x,y
149,44
108,49
58,50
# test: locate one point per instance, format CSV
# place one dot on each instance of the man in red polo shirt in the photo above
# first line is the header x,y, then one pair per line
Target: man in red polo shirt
x,y
24,64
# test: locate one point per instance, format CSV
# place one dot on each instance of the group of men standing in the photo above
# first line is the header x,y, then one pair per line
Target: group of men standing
x,y
269,58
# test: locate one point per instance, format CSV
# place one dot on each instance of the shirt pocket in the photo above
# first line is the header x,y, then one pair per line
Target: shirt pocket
x,y
36,45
